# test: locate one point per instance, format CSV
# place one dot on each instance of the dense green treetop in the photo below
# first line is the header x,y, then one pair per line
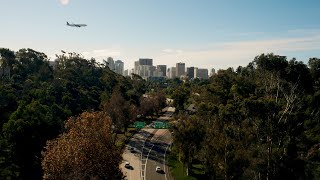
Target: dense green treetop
x,y
37,96
259,122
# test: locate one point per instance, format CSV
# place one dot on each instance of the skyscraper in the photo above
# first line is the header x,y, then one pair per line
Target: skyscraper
x,y
180,69
201,73
173,72
126,72
111,63
119,65
144,67
163,69
190,72
213,72
145,61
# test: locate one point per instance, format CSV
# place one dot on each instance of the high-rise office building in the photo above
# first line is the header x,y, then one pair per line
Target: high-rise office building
x,y
152,69
190,72
111,63
163,69
131,72
158,73
180,69
145,61
144,68
145,71
136,64
119,66
172,72
126,72
213,72
201,73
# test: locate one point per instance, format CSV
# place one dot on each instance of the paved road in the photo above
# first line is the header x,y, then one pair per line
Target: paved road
x,y
160,144
150,146
134,158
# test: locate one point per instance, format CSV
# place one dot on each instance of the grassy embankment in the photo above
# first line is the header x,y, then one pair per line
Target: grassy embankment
x,y
178,172
123,137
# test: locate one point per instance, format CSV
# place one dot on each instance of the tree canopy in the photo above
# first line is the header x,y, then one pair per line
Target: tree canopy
x,y
84,151
259,122
37,96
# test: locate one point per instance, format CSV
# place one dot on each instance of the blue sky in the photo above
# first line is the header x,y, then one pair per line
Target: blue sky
x,y
205,33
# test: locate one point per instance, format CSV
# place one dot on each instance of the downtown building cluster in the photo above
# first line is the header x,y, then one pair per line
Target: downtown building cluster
x,y
144,67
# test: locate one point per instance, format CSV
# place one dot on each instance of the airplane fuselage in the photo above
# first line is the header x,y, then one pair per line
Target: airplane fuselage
x,y
76,25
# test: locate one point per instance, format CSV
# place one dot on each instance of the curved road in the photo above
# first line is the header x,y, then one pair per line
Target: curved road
x,y
150,146
161,141
134,158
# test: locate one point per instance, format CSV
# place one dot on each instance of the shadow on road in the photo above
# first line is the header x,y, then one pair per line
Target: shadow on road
x,y
161,172
135,146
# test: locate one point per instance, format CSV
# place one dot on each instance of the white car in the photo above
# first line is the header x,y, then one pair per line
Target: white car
x,y
127,164
158,169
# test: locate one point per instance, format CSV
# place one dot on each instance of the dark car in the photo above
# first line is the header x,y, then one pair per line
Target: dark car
x,y
132,150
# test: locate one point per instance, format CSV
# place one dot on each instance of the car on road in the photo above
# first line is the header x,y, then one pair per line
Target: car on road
x,y
158,169
127,165
132,150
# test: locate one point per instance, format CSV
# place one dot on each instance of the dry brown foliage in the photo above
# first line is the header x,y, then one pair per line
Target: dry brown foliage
x,y
84,151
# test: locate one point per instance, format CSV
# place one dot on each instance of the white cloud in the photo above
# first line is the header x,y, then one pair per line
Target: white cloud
x,y
64,2
168,50
233,54
98,54
293,43
179,51
102,53
172,50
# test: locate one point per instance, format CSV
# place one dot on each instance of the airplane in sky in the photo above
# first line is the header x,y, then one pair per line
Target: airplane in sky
x,y
75,25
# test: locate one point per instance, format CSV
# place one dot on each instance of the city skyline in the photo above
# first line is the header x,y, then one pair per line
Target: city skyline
x,y
206,34
145,68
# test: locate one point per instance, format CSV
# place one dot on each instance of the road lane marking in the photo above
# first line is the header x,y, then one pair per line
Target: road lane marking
x,y
145,167
155,139
146,146
143,170
164,166
130,169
